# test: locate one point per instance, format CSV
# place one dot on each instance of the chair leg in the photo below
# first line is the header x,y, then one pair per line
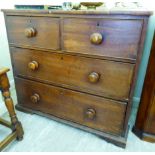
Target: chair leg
x,y
16,125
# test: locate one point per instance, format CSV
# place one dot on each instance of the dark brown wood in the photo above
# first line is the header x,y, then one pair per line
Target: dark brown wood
x,y
145,122
74,72
96,64
138,62
15,125
74,106
117,140
34,31
120,39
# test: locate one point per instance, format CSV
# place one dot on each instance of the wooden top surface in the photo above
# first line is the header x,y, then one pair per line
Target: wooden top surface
x,y
81,12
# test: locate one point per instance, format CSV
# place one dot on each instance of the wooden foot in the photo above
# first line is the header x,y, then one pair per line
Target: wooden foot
x,y
143,135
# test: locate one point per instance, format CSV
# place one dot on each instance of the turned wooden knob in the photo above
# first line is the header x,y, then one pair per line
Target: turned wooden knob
x,y
30,32
93,77
96,38
90,113
35,98
33,65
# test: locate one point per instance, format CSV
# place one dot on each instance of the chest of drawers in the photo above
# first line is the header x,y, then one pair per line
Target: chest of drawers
x,y
77,67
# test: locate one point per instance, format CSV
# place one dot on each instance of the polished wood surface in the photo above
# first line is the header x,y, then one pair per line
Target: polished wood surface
x,y
145,122
92,111
34,32
112,38
83,64
112,80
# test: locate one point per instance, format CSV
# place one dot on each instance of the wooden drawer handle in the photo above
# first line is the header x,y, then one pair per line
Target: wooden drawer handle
x,y
33,65
90,113
93,77
96,38
30,32
35,98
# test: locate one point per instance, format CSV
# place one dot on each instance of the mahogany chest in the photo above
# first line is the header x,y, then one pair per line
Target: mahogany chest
x,y
77,67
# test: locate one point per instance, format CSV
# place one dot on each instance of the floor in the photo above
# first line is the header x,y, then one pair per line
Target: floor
x,y
43,134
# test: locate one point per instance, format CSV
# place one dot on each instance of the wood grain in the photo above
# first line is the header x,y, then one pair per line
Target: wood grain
x,y
145,122
47,31
73,72
72,105
120,38
91,60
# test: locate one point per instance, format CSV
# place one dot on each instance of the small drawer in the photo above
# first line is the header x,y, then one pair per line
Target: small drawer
x,y
40,32
94,76
88,110
102,37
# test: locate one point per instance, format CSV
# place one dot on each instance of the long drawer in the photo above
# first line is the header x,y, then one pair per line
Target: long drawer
x,y
94,76
104,37
41,32
92,111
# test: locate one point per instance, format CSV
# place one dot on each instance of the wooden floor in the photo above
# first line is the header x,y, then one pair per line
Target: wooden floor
x,y
43,134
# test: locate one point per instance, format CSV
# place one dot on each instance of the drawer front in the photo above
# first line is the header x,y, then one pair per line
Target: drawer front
x,y
110,38
92,111
100,77
41,32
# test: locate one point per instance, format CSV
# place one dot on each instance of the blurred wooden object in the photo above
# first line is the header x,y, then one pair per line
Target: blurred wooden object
x,y
15,125
145,123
